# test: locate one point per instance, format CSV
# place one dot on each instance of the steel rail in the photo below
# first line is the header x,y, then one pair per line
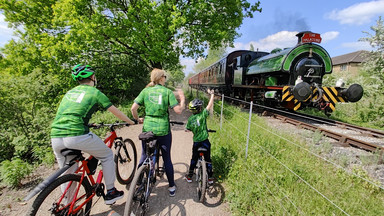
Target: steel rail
x,y
341,138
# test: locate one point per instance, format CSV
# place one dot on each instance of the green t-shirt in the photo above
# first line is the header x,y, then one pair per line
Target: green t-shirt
x,y
156,100
75,110
198,125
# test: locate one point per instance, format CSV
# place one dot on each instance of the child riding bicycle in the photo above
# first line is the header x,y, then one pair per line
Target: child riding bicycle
x,y
197,123
70,127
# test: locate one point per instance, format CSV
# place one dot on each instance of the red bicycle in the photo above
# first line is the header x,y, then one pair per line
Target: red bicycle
x,y
72,194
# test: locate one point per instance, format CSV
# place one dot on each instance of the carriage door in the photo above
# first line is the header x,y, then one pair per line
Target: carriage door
x,y
238,71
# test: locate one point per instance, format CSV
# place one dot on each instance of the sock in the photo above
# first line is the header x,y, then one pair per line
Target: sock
x,y
111,190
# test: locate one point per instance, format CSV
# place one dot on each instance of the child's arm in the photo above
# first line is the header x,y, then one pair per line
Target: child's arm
x,y
210,103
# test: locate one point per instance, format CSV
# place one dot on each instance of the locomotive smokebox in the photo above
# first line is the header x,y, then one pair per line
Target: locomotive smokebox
x,y
353,94
302,91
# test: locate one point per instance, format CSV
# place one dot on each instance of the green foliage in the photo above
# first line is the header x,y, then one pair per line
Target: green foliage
x,y
12,172
155,33
375,62
25,114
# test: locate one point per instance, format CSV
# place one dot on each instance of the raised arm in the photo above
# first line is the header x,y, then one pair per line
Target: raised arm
x,y
120,115
210,103
180,107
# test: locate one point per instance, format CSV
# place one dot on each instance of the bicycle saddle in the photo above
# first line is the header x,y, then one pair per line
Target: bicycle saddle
x,y
147,136
65,152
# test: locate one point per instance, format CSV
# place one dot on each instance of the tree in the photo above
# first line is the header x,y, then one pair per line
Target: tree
x,y
155,33
374,64
251,47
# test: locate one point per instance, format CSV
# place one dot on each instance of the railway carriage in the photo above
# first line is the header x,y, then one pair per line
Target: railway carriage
x,y
290,78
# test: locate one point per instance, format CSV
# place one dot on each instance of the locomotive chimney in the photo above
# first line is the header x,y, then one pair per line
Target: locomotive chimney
x,y
300,35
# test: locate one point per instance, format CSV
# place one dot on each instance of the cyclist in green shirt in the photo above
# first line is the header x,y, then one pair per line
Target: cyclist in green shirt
x,y
157,99
70,127
197,123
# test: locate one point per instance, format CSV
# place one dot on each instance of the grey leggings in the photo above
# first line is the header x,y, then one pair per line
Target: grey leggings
x,y
91,144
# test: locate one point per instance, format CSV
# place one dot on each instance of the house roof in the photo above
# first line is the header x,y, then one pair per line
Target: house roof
x,y
356,57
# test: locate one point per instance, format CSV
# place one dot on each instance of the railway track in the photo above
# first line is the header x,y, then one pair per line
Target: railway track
x,y
345,134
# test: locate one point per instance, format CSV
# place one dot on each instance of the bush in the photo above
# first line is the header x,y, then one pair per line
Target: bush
x,y
12,172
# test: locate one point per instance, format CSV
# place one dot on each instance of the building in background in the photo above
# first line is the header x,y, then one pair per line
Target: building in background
x,y
350,62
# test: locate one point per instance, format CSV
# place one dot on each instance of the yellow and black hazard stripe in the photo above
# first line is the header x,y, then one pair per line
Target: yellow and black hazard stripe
x,y
330,95
296,105
287,95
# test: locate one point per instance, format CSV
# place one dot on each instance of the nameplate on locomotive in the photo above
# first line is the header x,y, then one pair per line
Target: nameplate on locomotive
x,y
311,37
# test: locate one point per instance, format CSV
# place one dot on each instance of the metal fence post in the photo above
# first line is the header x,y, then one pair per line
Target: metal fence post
x,y
249,129
221,115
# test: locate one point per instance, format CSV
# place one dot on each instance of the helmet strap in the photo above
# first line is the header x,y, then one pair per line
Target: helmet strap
x,y
94,82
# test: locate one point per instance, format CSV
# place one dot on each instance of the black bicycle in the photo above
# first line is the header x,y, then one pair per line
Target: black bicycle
x,y
145,177
202,173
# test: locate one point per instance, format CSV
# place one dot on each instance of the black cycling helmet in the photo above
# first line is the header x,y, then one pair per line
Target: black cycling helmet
x,y
195,105
80,72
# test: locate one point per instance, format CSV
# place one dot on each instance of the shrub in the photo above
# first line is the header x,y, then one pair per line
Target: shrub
x,y
12,172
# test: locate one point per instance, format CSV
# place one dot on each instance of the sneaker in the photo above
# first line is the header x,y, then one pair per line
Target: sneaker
x,y
210,180
172,191
112,196
188,178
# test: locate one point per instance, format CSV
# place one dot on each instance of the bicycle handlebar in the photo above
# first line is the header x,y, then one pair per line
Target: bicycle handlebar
x,y
176,122
111,126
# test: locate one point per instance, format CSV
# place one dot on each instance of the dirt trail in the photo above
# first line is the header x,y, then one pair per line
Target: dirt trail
x,y
185,202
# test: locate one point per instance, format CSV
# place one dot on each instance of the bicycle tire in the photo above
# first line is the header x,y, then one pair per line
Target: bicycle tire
x,y
137,200
202,180
126,161
53,192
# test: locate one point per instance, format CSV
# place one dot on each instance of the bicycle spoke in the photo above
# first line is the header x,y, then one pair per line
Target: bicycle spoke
x,y
52,201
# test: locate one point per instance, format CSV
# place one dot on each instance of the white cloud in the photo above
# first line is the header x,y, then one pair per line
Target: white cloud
x,y
358,14
281,39
327,36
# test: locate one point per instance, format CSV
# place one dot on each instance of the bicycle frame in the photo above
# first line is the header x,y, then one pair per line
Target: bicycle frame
x,y
151,161
83,169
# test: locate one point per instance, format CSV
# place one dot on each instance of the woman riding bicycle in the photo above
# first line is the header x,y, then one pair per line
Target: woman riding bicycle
x,y
70,127
156,98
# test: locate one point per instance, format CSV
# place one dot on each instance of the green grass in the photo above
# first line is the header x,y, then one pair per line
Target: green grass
x,y
279,178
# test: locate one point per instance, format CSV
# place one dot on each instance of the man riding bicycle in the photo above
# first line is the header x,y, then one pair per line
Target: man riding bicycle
x,y
70,127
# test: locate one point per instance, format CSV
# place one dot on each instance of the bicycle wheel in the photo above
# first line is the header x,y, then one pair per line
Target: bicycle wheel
x,y
52,201
202,180
137,200
126,161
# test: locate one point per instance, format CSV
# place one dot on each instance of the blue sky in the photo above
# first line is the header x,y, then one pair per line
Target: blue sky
x,y
340,22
